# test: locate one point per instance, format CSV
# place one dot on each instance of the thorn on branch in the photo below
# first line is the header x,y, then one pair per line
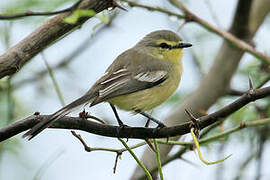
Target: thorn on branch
x,y
194,124
251,87
251,90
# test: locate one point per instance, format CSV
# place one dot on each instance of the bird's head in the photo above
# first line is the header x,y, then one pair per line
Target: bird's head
x,y
163,44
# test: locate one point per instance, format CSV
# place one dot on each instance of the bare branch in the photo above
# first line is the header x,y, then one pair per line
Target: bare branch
x,y
216,81
14,58
71,56
133,132
190,17
31,13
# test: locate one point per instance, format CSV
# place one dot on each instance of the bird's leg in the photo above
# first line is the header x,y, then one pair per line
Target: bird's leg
x,y
121,124
147,123
160,124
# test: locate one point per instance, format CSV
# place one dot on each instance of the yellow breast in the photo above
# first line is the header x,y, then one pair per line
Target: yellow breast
x,y
150,98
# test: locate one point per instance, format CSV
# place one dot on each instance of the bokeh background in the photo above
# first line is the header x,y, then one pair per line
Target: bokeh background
x,y
56,154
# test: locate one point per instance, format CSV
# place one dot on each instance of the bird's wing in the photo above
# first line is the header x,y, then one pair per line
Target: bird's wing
x,y
130,77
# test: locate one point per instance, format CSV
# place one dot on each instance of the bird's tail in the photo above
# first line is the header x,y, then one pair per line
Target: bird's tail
x,y
57,115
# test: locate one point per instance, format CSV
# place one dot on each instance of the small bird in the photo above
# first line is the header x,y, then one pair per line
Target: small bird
x,y
138,80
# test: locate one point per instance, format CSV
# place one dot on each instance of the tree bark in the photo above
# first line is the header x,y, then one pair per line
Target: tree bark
x,y
50,31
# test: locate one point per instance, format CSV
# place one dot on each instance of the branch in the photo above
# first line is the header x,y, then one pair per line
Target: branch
x,y
132,132
216,81
31,13
243,125
71,56
190,17
14,58
226,35
234,92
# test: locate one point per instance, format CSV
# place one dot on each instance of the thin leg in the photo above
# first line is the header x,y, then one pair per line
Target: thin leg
x,y
147,123
160,124
117,116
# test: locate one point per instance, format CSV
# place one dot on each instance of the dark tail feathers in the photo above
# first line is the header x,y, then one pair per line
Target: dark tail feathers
x,y
57,115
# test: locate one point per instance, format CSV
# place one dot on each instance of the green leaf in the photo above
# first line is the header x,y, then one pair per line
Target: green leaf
x,y
73,18
104,18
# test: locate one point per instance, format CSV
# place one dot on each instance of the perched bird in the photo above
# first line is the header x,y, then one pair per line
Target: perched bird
x,y
138,80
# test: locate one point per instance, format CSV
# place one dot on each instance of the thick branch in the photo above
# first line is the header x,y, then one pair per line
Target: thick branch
x,y
132,132
70,57
14,58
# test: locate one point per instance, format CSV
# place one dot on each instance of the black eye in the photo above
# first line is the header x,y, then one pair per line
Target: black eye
x,y
165,46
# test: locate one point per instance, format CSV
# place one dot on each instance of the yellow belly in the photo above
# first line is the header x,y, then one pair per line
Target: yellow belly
x,y
149,98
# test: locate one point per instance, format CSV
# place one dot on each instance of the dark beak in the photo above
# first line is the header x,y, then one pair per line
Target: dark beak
x,y
182,45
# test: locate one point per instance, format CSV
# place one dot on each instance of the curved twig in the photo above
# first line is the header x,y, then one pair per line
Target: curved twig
x,y
190,17
31,13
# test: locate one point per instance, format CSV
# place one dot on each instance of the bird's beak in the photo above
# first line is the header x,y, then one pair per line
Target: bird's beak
x,y
182,45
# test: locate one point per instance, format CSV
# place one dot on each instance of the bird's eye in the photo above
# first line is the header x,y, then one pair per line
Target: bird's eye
x,y
165,46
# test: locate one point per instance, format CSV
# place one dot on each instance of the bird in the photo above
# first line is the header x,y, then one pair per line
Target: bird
x,y
138,80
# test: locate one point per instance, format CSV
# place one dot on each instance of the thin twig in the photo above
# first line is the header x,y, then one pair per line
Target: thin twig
x,y
190,17
32,13
241,171
64,62
48,163
116,162
178,155
117,151
90,149
234,92
199,151
148,175
226,35
213,13
48,33
158,159
55,84
263,82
